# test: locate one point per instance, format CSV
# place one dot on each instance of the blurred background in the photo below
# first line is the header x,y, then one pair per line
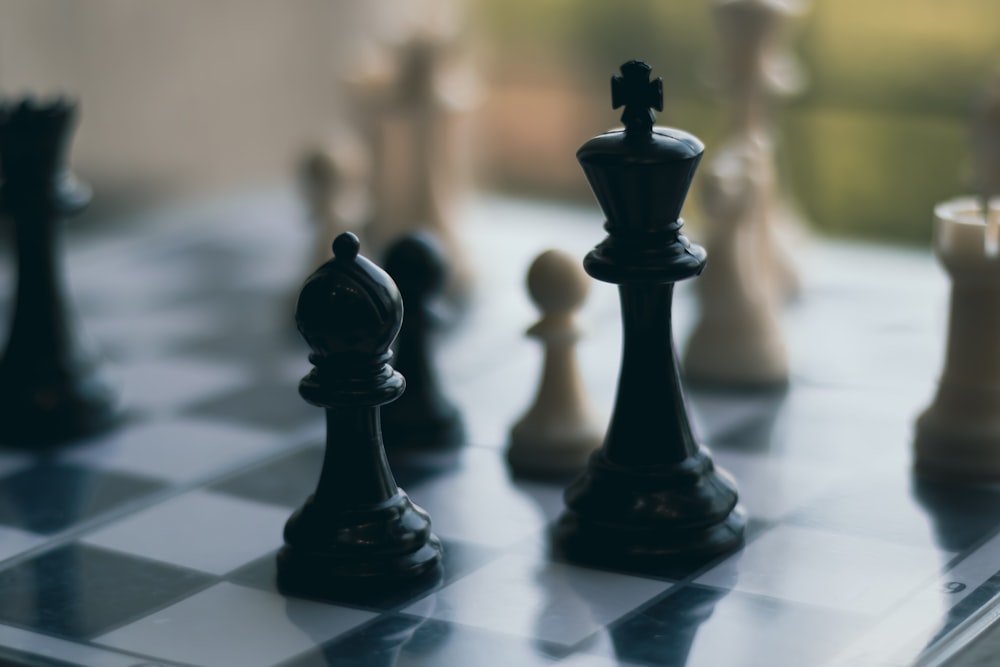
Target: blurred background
x,y
184,98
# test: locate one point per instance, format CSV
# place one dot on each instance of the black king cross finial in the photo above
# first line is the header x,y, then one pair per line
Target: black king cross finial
x,y
638,95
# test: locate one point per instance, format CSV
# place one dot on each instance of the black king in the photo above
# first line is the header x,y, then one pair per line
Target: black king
x,y
651,495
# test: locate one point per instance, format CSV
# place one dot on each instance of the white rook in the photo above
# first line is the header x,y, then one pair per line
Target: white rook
x,y
958,436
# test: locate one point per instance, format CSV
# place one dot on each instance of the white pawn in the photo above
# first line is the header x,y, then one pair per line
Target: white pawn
x,y
557,434
330,180
318,180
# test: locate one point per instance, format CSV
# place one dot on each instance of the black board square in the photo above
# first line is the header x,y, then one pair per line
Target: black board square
x,y
50,497
703,627
402,640
265,403
287,481
79,591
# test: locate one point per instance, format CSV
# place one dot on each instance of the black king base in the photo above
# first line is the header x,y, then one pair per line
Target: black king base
x,y
358,536
651,495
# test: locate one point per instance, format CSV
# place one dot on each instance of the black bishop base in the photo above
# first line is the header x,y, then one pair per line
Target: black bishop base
x,y
347,543
358,536
650,496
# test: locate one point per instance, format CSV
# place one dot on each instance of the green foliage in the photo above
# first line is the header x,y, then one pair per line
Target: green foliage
x,y
877,138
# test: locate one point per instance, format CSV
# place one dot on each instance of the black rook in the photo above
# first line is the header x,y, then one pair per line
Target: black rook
x,y
51,389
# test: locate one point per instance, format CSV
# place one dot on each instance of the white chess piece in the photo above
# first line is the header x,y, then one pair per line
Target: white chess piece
x,y
557,434
415,117
318,180
737,341
329,180
756,68
985,142
958,436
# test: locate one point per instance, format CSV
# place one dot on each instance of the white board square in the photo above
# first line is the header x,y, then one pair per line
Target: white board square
x,y
14,541
169,384
199,530
178,450
853,574
542,600
233,626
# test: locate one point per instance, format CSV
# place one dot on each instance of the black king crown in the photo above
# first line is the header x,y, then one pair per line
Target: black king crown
x,y
641,177
651,494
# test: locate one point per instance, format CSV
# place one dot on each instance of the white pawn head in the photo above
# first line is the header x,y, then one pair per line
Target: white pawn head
x,y
557,283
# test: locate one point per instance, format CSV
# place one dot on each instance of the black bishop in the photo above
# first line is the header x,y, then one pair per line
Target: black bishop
x,y
358,533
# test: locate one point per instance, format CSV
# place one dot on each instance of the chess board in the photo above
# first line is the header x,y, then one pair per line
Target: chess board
x,y
154,545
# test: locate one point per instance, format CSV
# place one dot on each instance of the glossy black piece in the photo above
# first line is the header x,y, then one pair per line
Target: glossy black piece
x,y
423,417
651,495
359,533
51,389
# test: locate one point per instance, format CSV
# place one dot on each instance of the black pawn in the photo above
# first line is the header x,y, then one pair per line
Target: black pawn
x,y
651,495
51,390
423,417
359,533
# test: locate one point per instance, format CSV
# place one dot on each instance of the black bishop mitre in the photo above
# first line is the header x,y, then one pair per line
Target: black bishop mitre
x,y
349,312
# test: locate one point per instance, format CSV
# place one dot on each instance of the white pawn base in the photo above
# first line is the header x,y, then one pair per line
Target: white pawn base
x,y
557,435
548,449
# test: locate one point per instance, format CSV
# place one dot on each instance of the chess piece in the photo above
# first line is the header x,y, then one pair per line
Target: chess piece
x,y
423,417
318,179
559,432
985,145
359,532
329,182
737,340
651,494
757,67
414,122
958,435
51,388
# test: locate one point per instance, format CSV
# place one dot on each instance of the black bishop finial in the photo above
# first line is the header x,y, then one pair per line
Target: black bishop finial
x,y
346,246
638,95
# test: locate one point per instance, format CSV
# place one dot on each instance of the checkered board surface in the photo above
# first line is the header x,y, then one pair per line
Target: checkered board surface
x,y
154,544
